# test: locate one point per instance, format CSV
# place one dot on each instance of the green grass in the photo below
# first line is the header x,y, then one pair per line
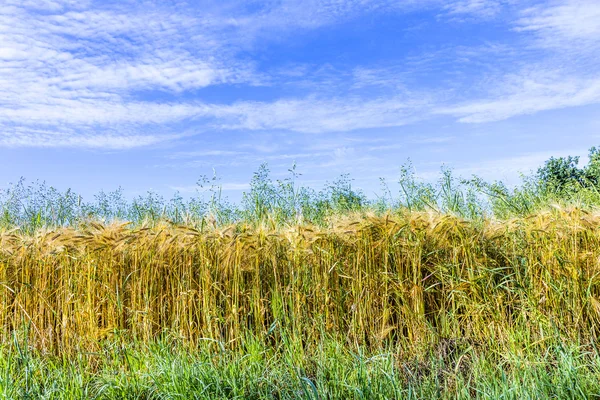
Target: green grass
x,y
334,370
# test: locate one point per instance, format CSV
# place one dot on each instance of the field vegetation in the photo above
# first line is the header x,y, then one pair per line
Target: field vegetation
x,y
455,289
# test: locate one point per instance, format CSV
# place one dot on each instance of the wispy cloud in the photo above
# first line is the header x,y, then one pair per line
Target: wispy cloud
x,y
479,8
529,93
63,65
122,75
315,115
563,22
32,137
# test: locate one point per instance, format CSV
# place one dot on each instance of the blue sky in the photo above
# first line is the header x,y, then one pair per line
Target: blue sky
x,y
153,94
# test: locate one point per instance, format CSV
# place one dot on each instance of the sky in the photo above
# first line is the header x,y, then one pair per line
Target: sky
x,y
152,95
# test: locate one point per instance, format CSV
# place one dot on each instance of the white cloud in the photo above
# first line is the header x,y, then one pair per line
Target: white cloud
x,y
480,8
571,20
87,113
40,138
47,5
314,115
309,115
528,94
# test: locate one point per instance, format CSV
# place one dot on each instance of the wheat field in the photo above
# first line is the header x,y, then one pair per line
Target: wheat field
x,y
372,280
401,305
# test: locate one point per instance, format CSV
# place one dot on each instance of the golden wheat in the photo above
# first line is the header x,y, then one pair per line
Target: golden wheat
x,y
398,278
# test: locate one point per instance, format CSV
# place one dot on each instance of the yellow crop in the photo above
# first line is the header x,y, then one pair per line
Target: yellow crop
x,y
371,280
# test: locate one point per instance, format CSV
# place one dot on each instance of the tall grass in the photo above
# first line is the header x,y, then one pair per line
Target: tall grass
x,y
286,202
333,371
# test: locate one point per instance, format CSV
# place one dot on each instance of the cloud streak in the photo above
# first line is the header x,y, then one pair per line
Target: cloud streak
x,y
529,94
564,22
